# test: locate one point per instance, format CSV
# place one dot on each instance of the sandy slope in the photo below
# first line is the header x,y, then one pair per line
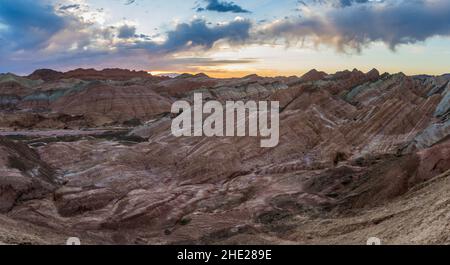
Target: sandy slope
x,y
422,216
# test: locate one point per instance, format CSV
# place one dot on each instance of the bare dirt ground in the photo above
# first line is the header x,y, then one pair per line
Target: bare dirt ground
x,y
421,216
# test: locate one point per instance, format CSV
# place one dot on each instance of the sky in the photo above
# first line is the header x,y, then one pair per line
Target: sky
x,y
224,38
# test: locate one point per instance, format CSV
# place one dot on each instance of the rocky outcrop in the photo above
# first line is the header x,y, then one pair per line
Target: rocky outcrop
x,y
23,175
444,106
20,81
88,74
46,75
313,75
117,103
106,74
432,135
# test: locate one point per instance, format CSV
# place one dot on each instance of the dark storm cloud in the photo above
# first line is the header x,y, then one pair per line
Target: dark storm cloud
x,y
355,26
67,7
197,34
126,32
29,24
222,6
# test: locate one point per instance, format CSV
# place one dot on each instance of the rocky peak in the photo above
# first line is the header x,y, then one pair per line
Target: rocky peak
x,y
106,74
46,75
373,74
313,75
201,75
252,76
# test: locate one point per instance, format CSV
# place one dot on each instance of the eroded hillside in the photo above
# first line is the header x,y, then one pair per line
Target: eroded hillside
x,y
90,154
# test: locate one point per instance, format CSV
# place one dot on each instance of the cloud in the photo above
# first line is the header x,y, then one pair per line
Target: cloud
x,y
29,24
193,64
222,6
197,34
337,3
45,37
66,7
354,26
126,32
213,62
344,3
33,34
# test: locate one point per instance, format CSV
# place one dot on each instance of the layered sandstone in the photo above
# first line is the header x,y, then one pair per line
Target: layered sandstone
x,y
359,155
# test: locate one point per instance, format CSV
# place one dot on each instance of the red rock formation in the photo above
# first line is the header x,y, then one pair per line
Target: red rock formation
x,y
106,74
23,176
90,74
116,103
46,75
349,143
313,75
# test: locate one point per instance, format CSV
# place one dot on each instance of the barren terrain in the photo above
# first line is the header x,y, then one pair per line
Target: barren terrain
x,y
90,154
